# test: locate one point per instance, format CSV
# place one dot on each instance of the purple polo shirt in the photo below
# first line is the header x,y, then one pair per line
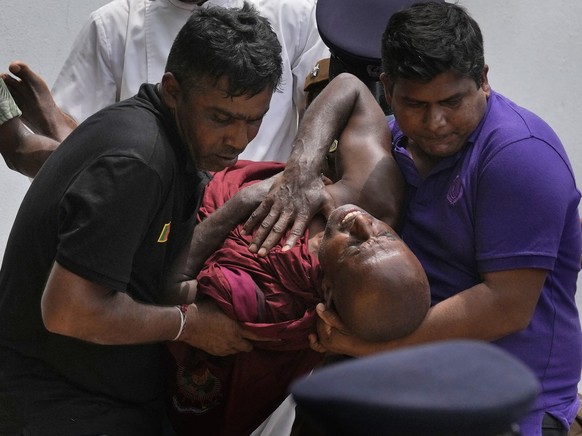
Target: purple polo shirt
x,y
507,200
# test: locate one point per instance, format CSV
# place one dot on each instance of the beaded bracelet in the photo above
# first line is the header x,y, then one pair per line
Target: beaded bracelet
x,y
182,309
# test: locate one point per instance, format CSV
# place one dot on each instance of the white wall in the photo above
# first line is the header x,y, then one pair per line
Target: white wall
x,y
533,48
39,32
534,51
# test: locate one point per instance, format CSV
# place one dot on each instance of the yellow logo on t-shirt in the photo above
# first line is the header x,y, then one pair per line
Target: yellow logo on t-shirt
x,y
165,233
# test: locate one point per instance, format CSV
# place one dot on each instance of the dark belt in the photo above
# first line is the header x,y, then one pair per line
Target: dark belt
x,y
551,423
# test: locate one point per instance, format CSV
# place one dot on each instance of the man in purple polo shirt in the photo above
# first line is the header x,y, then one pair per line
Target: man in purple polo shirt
x,y
491,209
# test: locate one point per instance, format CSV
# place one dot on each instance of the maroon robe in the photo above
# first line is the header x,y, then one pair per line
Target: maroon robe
x,y
275,297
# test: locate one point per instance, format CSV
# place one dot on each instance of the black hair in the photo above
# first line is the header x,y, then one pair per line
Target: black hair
x,y
236,43
427,39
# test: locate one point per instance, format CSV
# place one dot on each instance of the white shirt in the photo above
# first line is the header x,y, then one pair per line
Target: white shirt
x,y
125,43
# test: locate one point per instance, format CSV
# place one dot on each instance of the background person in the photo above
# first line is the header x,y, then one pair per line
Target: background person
x,y
125,43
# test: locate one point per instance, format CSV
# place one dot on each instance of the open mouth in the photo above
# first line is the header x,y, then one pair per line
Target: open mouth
x,y
350,216
347,216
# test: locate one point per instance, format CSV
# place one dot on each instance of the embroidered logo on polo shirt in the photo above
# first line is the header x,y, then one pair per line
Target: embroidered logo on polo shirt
x,y
165,233
455,191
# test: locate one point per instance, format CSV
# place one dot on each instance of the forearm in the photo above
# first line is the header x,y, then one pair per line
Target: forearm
x,y
476,313
120,320
211,233
452,319
22,150
502,304
321,124
75,307
116,319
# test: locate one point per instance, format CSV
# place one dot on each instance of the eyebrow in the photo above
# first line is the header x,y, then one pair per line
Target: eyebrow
x,y
456,96
236,116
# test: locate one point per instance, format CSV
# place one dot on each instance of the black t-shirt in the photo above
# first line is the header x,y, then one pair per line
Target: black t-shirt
x,y
110,206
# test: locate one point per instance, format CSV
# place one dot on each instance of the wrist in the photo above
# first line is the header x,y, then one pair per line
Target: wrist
x,y
307,159
183,310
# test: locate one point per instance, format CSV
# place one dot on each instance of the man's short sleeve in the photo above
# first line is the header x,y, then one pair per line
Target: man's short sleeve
x,y
526,193
103,217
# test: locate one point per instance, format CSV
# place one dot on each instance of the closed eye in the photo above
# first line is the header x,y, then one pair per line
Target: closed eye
x,y
221,119
452,103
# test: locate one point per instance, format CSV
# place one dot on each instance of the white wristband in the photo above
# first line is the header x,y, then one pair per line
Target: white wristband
x,y
182,321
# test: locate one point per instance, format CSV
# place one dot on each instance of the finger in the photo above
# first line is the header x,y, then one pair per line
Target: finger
x,y
258,216
17,88
296,232
323,330
327,315
11,82
315,345
332,319
22,70
273,238
15,66
225,352
324,333
326,180
266,236
242,346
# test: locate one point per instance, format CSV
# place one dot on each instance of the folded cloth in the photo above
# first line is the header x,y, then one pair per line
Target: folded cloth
x,y
8,107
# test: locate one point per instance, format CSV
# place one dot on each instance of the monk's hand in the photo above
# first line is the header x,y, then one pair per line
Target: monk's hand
x,y
291,202
211,330
257,192
332,334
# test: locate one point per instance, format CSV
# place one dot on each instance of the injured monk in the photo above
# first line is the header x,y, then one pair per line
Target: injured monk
x,y
351,262
355,263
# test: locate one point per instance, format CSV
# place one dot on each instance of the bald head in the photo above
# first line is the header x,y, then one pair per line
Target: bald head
x,y
376,284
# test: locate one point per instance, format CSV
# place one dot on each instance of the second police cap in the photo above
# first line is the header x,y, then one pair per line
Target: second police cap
x,y
456,387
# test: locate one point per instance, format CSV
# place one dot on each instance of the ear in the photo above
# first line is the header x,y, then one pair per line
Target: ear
x,y
388,85
170,90
485,81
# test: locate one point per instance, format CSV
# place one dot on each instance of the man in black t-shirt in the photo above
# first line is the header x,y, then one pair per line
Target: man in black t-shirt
x,y
82,307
